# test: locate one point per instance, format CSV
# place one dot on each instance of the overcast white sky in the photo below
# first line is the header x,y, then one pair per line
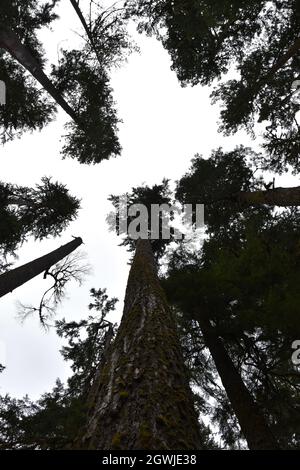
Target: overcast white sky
x,y
163,127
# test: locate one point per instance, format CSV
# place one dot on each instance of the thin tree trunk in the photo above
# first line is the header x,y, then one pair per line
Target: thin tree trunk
x,y
272,197
12,44
76,7
18,276
142,399
251,420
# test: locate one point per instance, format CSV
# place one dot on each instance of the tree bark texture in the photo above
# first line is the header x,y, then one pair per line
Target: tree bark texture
x,y
18,276
141,398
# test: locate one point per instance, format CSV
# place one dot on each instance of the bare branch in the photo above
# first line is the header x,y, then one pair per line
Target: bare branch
x,y
71,268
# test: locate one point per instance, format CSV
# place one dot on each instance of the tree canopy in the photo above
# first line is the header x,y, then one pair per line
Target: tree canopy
x,y
43,211
203,354
258,40
79,83
52,422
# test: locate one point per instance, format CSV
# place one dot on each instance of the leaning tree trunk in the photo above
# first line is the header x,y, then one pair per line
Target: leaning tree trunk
x,y
272,197
18,276
12,44
141,398
88,31
250,418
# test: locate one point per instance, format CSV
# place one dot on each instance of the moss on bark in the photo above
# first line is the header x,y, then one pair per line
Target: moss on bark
x,y
142,399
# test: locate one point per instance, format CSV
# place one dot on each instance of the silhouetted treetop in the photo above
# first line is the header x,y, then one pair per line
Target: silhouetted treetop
x,y
43,211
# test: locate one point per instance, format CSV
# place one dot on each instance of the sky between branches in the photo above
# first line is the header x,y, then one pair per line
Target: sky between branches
x,y
163,127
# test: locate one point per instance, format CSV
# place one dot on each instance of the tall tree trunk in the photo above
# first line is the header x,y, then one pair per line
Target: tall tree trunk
x,y
78,11
18,276
272,197
142,399
251,420
12,44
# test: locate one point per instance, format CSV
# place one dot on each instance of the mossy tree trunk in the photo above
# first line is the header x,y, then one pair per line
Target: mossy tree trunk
x,y
250,418
19,276
141,398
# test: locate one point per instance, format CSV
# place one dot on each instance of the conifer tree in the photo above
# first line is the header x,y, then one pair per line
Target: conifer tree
x,y
141,399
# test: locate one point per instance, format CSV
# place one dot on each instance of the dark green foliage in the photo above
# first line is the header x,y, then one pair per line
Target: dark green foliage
x,y
79,83
202,37
257,39
87,88
44,210
26,18
82,76
216,182
284,149
263,89
48,208
251,98
27,106
85,351
53,421
245,279
10,232
111,41
46,424
248,286
157,194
